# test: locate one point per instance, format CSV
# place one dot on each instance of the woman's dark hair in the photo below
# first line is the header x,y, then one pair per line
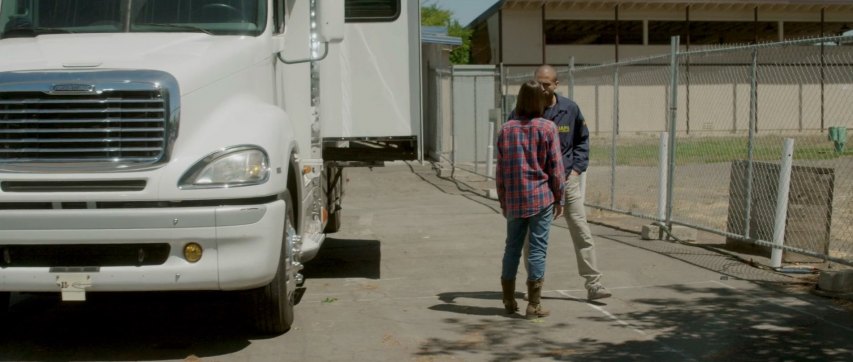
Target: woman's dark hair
x,y
531,100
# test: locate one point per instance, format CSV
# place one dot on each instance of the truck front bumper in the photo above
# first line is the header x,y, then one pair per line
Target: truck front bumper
x,y
241,246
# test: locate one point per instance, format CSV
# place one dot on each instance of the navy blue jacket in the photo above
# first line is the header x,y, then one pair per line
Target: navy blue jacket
x,y
574,135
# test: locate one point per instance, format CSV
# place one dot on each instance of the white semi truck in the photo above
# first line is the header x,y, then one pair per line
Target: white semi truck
x,y
165,145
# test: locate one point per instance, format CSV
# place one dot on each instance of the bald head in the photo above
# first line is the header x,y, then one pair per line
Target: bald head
x,y
545,70
546,75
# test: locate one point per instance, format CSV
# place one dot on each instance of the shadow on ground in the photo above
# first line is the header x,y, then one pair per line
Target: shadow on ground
x,y
154,326
707,324
346,258
124,327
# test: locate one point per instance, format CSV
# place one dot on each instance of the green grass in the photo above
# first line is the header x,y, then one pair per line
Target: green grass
x,y
701,150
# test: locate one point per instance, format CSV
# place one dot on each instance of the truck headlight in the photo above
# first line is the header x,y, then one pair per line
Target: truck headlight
x,y
230,167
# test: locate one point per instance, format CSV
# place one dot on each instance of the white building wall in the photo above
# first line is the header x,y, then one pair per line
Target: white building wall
x,y
719,103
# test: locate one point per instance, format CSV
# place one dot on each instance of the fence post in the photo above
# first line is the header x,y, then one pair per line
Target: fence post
x,y
750,149
572,97
490,149
663,152
452,120
438,128
673,115
572,78
476,120
502,91
782,203
613,137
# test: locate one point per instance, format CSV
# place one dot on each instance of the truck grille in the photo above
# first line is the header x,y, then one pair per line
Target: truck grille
x,y
113,126
87,120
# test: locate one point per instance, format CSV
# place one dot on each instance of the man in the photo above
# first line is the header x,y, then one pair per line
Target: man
x,y
529,182
574,143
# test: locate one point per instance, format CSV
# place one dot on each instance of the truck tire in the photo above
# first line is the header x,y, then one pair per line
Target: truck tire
x,y
272,305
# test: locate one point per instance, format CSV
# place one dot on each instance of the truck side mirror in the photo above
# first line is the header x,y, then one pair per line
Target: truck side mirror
x,y
330,20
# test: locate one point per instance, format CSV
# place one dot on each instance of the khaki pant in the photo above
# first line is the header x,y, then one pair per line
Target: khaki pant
x,y
575,214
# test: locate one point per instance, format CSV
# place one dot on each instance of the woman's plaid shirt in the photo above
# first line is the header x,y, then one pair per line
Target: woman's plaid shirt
x,y
530,167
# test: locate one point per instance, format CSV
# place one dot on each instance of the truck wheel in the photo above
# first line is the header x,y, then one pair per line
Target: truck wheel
x,y
272,305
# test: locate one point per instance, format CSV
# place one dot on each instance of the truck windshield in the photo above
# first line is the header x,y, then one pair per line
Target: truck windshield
x,y
30,18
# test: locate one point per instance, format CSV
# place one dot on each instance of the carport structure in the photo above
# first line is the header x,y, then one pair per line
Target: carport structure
x,y
530,32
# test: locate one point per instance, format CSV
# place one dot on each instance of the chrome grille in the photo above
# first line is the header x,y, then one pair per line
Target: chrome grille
x,y
87,120
106,127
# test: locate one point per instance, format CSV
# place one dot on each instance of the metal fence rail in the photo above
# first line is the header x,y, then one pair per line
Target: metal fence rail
x,y
718,166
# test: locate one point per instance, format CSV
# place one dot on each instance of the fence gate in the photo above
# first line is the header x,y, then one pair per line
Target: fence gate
x,y
474,92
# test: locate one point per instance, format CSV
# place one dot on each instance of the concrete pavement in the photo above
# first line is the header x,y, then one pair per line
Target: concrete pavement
x,y
414,275
434,294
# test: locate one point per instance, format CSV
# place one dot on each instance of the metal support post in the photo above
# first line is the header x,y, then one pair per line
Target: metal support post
x,y
673,115
782,203
572,78
503,90
753,114
452,120
613,137
663,151
490,149
475,123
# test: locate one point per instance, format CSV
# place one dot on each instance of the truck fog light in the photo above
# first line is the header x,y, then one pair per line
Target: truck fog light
x,y
192,252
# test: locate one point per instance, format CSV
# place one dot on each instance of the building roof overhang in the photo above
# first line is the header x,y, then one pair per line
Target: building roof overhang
x,y
794,5
727,5
438,35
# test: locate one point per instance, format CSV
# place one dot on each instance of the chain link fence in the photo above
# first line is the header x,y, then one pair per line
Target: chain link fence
x,y
718,167
462,111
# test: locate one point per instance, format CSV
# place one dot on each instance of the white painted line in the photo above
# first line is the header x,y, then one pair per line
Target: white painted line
x,y
723,284
609,315
640,286
633,328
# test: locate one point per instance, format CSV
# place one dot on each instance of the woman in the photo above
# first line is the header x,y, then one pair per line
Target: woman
x,y
529,182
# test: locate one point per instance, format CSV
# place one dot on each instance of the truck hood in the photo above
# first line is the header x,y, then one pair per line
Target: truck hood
x,y
193,59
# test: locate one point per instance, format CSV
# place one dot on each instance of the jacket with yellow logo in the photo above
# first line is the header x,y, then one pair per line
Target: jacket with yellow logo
x,y
574,135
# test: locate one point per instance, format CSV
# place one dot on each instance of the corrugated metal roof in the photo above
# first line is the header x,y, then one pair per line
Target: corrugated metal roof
x,y
438,35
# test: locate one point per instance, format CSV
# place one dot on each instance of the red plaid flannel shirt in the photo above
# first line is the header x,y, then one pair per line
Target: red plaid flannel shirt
x,y
530,167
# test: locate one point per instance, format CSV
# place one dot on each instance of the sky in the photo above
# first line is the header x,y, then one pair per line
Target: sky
x,y
464,11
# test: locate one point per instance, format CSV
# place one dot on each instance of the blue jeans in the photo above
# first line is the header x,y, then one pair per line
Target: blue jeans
x,y
575,214
538,227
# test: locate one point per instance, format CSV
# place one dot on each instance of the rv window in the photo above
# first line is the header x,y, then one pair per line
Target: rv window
x,y
360,11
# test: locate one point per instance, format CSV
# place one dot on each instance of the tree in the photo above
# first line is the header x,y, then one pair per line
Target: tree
x,y
432,15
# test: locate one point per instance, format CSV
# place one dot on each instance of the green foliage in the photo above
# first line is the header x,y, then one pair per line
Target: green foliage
x,y
432,15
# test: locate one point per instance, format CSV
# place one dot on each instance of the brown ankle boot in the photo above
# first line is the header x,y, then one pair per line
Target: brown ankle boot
x,y
508,287
534,295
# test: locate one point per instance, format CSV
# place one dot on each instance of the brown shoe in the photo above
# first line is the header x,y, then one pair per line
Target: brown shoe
x,y
534,296
508,287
